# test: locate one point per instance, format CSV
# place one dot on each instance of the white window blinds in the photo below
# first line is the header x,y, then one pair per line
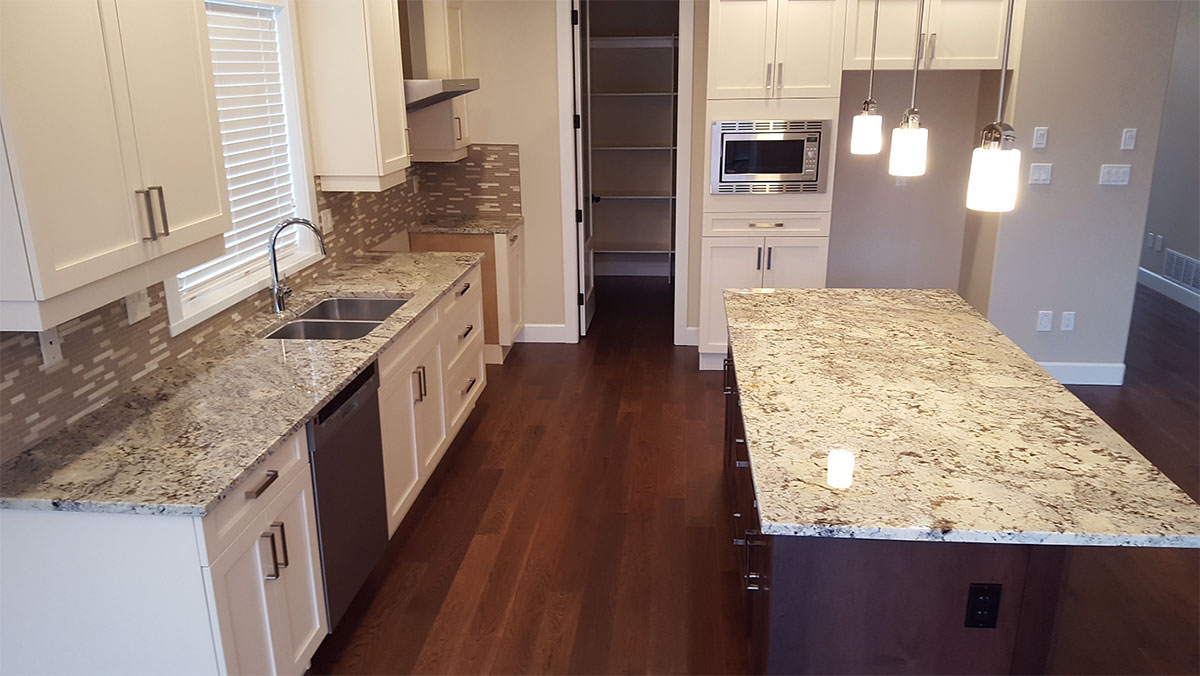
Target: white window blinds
x,y
254,127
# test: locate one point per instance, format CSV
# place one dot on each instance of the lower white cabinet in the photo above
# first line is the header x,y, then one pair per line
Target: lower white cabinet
x,y
753,262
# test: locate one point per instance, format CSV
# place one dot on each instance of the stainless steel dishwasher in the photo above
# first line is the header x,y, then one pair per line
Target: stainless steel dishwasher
x,y
347,466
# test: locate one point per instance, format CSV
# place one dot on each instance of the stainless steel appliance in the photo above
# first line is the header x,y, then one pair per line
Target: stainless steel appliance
x,y
347,465
770,156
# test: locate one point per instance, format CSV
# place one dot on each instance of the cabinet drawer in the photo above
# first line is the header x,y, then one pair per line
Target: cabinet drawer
x,y
464,380
466,292
459,332
801,224
392,357
250,496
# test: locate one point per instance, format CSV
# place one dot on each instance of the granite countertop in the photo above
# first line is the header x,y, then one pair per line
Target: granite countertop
x,y
182,438
957,435
467,225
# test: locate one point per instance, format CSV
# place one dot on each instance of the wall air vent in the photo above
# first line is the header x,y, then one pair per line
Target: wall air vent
x,y
1182,269
771,125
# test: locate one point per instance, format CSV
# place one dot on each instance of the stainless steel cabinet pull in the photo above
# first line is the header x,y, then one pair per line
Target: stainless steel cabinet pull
x,y
770,249
420,388
932,49
149,215
470,384
274,574
758,264
766,225
725,386
272,475
470,328
464,289
742,463
282,542
457,128
779,77
162,208
769,66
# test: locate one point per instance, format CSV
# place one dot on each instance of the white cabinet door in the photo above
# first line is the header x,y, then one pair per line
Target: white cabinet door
x,y
897,40
429,413
170,91
741,49
238,583
458,69
969,34
78,213
808,48
726,263
397,398
795,262
391,118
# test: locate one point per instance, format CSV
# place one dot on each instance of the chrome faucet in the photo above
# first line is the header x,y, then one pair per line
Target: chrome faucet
x,y
280,292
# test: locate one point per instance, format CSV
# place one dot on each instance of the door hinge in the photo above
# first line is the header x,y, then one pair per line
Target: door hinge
x,y
579,215
578,122
580,298
574,17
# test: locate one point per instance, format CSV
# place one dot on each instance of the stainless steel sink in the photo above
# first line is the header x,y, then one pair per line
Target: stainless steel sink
x,y
354,309
310,329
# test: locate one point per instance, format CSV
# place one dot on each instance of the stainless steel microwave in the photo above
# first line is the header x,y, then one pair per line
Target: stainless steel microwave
x,y
770,156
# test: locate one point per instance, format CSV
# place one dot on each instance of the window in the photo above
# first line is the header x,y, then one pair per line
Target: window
x,y
257,109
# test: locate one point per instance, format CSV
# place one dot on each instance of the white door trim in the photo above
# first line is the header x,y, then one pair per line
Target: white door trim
x,y
683,173
566,164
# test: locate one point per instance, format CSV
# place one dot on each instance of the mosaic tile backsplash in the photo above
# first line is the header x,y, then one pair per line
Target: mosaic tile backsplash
x,y
103,355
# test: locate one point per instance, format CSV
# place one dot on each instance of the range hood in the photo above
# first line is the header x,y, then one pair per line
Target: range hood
x,y
424,93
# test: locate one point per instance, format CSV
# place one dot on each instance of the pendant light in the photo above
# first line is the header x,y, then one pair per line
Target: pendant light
x,y
996,164
910,141
866,136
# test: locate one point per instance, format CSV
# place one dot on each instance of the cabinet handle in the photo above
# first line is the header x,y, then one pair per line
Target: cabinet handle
x,y
282,542
932,49
149,215
470,384
470,328
769,250
272,475
464,289
162,208
758,263
274,574
725,386
457,128
778,77
769,66
742,464
420,388
512,239
766,225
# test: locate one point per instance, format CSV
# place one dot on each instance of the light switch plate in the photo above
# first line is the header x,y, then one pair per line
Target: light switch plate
x,y
1039,136
1158,242
1128,139
51,346
137,306
325,220
1149,240
1114,174
1039,173
1068,321
1045,320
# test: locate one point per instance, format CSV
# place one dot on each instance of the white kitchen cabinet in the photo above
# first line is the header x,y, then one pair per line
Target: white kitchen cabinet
x,y
764,49
435,51
111,138
956,35
510,287
753,262
355,91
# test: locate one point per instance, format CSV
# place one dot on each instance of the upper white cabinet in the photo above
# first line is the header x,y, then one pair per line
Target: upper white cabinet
x,y
956,34
355,91
434,50
764,49
111,139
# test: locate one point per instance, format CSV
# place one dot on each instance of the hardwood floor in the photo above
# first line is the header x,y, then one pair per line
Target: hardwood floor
x,y
575,526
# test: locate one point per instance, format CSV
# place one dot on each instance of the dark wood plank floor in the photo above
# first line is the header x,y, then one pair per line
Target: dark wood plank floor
x,y
575,526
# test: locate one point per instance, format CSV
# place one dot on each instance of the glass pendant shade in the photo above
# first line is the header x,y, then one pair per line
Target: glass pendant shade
x,y
909,146
992,185
866,137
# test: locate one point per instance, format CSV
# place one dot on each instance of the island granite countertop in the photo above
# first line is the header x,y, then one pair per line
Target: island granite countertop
x,y
957,435
467,225
180,439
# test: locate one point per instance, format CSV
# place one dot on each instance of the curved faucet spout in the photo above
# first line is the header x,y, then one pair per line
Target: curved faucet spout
x,y
280,292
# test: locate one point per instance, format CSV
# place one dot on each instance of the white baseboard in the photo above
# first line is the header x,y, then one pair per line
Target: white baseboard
x,y
1085,373
712,361
548,333
1176,292
688,336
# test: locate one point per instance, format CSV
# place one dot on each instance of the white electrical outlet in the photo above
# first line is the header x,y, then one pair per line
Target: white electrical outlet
x,y
137,306
1068,321
1045,320
325,220
1039,136
1149,240
1128,139
1114,174
1158,242
51,346
1039,173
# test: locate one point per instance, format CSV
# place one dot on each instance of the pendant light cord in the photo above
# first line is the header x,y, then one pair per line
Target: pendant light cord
x,y
874,40
1004,63
920,51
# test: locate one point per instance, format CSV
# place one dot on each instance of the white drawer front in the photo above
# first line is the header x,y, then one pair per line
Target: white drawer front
x,y
392,357
464,380
768,224
466,292
459,332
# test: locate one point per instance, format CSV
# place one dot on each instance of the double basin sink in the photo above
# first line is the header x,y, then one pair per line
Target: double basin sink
x,y
339,319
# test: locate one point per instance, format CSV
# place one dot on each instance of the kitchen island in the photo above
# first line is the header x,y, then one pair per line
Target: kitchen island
x,y
887,450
